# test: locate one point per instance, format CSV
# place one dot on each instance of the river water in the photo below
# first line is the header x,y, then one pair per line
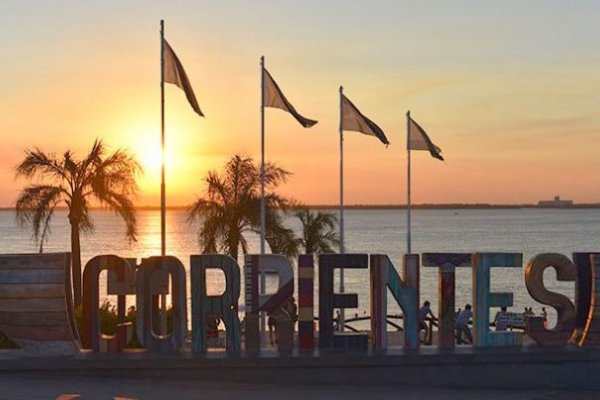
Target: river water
x,y
528,231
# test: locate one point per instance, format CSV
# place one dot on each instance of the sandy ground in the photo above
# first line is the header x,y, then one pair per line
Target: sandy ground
x,y
32,387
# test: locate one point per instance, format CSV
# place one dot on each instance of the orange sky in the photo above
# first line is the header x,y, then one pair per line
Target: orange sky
x,y
510,94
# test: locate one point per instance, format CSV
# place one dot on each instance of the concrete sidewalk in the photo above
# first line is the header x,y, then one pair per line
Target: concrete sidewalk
x,y
464,369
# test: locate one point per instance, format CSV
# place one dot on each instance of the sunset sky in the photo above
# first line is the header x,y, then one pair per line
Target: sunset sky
x,y
510,91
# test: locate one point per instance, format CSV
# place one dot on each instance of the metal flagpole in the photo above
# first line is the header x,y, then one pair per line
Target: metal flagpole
x,y
263,280
342,249
163,235
342,244
163,240
262,155
408,231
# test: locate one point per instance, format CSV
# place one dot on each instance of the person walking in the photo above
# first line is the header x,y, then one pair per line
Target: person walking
x,y
424,312
462,326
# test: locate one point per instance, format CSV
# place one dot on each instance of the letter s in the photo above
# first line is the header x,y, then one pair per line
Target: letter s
x,y
534,280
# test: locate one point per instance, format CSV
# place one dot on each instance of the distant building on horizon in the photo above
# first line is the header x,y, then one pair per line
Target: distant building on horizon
x,y
557,202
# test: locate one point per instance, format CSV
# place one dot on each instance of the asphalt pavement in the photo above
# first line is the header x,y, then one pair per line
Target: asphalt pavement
x,y
34,386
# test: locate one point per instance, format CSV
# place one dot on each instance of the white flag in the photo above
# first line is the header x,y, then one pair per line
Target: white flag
x,y
419,140
174,73
273,97
354,120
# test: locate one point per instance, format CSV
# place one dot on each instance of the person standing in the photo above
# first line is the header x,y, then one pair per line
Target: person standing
x,y
338,321
292,310
462,326
545,316
212,322
501,320
271,325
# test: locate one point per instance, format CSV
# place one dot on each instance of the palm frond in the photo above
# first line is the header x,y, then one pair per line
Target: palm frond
x,y
46,231
122,205
275,175
117,171
197,210
231,208
318,231
35,205
38,163
282,240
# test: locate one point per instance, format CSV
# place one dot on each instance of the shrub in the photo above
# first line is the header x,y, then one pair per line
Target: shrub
x,y
109,319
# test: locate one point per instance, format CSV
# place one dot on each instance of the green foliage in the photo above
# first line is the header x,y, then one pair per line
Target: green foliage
x,y
107,315
231,208
319,231
109,319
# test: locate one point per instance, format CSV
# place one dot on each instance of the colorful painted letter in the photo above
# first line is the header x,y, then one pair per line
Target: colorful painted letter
x,y
272,303
534,280
591,332
328,300
224,306
306,276
483,299
446,263
121,281
405,291
145,306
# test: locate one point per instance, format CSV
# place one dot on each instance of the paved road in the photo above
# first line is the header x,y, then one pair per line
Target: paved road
x,y
33,387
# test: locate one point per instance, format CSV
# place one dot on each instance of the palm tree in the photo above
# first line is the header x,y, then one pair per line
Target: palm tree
x,y
231,208
107,179
318,231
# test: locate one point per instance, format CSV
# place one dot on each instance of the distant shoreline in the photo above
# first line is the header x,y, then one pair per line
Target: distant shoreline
x,y
449,206
425,206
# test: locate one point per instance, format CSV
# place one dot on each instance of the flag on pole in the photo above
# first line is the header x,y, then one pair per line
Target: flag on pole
x,y
273,97
354,120
174,73
419,140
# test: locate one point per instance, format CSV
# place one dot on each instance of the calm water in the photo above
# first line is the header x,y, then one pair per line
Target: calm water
x,y
530,231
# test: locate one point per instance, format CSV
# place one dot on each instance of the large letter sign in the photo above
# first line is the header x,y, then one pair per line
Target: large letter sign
x,y
405,291
306,313
269,264
328,300
145,306
483,299
534,279
121,277
224,306
446,263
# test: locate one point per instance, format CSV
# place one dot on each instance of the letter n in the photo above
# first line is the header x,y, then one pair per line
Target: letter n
x,y
406,292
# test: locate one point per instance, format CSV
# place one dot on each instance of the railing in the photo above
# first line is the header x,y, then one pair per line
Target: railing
x,y
430,323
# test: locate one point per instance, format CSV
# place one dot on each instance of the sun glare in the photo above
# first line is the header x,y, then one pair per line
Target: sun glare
x,y
151,159
185,165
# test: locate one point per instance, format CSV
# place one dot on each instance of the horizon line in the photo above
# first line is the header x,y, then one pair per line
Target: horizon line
x,y
146,207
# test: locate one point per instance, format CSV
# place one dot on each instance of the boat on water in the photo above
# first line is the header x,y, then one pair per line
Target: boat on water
x,y
556,203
